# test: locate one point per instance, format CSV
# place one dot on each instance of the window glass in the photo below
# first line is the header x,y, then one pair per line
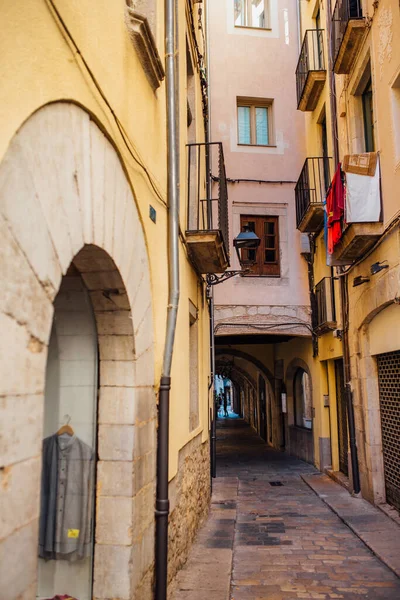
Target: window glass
x,y
270,256
250,13
270,228
262,126
244,133
66,527
368,118
254,122
257,13
249,256
240,13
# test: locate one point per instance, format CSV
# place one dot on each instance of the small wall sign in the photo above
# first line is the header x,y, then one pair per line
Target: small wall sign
x,y
153,214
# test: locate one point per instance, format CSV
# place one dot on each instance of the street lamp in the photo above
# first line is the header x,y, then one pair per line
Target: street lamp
x,y
246,239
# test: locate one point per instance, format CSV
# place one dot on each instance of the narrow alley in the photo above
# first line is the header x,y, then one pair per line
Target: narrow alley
x,y
270,537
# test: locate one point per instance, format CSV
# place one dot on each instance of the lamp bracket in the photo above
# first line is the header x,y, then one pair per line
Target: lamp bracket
x,y
214,279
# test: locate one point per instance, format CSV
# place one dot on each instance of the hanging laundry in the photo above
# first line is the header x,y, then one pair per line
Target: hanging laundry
x,y
66,498
335,209
363,197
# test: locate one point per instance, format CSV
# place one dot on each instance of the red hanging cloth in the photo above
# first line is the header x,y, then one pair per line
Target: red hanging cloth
x,y
335,209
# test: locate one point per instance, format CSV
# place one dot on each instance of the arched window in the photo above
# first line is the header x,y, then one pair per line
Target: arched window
x,y
302,399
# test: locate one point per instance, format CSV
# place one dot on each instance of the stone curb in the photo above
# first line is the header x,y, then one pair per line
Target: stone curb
x,y
378,531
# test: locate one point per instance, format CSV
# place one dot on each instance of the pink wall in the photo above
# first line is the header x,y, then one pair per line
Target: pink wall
x,y
261,64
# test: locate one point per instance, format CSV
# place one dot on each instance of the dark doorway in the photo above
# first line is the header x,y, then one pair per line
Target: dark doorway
x,y
263,407
343,439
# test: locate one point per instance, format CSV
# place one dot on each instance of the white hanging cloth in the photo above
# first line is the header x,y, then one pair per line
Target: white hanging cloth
x,y
363,196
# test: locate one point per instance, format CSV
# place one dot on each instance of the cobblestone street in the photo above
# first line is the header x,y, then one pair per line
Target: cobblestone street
x,y
270,537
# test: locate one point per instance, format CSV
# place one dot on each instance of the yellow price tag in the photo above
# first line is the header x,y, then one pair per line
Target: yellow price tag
x,y
73,533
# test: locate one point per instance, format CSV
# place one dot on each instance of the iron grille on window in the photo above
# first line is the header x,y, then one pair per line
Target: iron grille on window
x,y
325,305
345,10
207,208
311,58
312,185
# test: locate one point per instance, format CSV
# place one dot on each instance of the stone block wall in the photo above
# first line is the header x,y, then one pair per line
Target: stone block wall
x,y
301,444
190,498
240,319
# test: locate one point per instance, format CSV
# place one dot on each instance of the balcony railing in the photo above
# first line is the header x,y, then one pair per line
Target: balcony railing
x,y
347,31
207,207
311,70
325,319
310,192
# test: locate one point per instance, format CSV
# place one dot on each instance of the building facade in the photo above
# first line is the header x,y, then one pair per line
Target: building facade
x,y
84,263
262,319
347,80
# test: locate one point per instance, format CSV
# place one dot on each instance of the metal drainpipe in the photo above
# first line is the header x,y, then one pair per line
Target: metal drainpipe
x,y
332,83
162,501
343,279
207,132
213,448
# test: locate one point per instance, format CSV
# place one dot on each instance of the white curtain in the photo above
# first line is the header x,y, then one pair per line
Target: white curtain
x,y
244,124
262,126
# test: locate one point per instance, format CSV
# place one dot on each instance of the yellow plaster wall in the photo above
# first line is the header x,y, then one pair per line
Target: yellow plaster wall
x,y
39,66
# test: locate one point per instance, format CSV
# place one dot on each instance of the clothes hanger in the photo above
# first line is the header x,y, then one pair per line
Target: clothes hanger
x,y
66,428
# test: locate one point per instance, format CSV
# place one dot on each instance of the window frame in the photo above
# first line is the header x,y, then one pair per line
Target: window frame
x,y
301,372
264,269
253,104
367,100
247,12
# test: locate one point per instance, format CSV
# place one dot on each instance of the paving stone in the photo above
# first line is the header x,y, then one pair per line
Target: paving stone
x,y
264,542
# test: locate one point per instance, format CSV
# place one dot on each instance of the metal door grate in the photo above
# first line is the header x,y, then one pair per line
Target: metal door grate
x,y
389,394
343,438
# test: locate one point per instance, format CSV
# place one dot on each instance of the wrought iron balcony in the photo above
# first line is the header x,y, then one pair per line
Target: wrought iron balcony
x,y
348,29
325,318
310,192
311,70
207,233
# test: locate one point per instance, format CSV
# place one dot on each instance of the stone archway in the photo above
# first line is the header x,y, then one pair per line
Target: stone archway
x,y
65,198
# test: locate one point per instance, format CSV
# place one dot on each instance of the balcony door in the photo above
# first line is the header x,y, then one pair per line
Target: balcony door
x,y
320,49
341,407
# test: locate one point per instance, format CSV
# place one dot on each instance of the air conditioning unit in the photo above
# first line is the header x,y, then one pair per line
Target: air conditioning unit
x,y
304,244
325,305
